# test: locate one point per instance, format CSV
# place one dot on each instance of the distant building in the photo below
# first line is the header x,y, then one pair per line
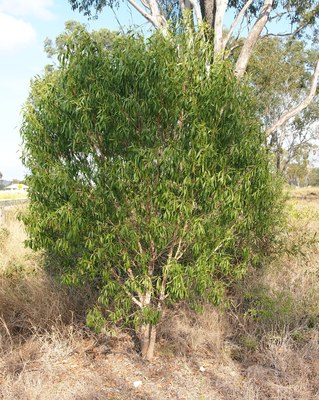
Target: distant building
x,y
17,187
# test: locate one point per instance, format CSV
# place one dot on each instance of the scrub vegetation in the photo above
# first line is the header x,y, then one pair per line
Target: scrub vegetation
x,y
263,345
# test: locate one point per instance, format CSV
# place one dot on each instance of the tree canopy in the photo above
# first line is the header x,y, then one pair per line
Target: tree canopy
x,y
281,88
252,20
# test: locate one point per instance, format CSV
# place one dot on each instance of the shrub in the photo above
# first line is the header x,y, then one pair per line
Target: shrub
x,y
148,173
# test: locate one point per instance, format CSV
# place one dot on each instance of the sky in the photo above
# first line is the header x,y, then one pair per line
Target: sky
x,y
24,25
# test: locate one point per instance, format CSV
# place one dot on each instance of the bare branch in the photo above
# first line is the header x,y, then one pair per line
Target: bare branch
x,y
236,22
301,106
155,17
230,51
146,4
294,33
134,299
182,5
160,21
252,38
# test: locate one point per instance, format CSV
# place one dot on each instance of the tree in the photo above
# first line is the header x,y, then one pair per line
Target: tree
x,y
282,88
136,184
302,15
298,171
314,177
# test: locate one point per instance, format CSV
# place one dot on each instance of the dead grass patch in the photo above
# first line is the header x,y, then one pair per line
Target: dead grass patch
x,y
46,353
184,332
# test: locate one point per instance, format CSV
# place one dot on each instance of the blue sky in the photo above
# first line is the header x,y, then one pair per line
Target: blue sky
x,y
24,25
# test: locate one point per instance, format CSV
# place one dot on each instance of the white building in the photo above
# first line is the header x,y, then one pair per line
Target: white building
x,y
17,187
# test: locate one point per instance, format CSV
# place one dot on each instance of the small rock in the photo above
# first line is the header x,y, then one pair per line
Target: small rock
x,y
137,384
202,369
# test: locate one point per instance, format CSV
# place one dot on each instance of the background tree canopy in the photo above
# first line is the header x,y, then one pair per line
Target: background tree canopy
x,y
280,73
251,21
148,173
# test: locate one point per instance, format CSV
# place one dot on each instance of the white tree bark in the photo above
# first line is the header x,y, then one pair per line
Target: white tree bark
x,y
197,10
301,106
252,38
155,15
220,9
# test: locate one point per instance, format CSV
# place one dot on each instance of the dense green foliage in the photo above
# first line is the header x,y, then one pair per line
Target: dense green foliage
x,y
148,173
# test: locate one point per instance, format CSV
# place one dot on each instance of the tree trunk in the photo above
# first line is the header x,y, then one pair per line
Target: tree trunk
x,y
278,160
208,9
220,9
147,336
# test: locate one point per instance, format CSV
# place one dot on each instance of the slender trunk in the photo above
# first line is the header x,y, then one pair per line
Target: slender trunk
x,y
278,160
147,336
220,9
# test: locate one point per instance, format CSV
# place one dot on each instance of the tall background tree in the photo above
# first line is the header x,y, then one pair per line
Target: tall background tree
x,y
281,88
252,19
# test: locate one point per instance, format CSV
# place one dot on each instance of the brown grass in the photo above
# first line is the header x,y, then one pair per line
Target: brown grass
x,y
47,353
183,332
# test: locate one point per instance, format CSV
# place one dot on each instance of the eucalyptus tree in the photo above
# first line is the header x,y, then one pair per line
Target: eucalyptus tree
x,y
251,18
148,174
282,88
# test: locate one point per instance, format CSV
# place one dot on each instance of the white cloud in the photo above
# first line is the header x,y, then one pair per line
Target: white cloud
x,y
15,33
28,8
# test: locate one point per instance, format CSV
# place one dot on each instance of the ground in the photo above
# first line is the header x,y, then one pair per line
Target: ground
x,y
263,346
12,195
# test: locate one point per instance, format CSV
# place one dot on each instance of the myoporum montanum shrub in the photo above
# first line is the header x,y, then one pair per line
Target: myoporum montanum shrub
x,y
148,173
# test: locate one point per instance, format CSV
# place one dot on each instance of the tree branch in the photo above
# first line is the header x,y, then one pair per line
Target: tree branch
x,y
160,21
252,38
301,106
221,6
236,22
155,17
141,10
294,33
197,10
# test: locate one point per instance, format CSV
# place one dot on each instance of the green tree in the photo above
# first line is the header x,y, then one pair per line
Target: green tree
x,y
253,20
314,177
137,184
282,88
298,171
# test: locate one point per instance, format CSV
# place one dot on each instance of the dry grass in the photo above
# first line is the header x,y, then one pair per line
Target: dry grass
x,y
46,353
10,195
183,332
15,256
